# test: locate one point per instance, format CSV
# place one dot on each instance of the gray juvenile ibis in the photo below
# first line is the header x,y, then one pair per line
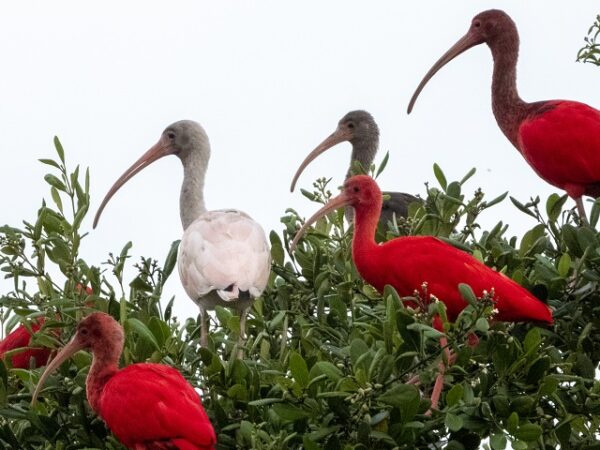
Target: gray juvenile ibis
x,y
224,258
560,139
360,129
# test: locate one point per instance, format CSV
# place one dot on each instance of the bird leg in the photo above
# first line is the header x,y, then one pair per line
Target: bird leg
x,y
242,337
581,211
439,379
204,324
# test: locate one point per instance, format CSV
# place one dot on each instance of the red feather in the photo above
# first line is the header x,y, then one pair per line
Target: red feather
x,y
562,144
162,412
21,337
407,262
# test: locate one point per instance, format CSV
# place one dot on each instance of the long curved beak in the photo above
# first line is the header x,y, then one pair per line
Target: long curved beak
x,y
335,203
68,350
339,135
464,43
157,151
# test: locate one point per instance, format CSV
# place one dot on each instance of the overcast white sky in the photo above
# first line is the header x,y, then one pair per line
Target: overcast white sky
x,y
268,80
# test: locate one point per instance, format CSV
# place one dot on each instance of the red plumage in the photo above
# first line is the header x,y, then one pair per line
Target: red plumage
x,y
146,406
562,144
21,337
407,262
163,408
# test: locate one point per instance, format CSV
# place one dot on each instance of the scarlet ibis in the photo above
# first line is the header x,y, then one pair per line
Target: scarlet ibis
x,y
360,129
407,262
224,258
21,337
145,405
560,139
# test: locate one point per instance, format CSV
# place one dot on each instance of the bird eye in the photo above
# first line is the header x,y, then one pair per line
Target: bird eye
x,y
83,331
171,135
356,189
351,125
477,24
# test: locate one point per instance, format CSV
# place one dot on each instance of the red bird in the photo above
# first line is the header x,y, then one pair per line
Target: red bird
x,y
560,139
21,337
146,406
407,262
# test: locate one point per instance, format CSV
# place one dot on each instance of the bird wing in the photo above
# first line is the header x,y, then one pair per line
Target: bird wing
x,y
145,403
419,259
561,141
225,251
21,337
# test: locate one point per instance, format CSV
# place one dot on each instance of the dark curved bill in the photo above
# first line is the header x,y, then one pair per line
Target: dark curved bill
x,y
335,203
156,152
462,45
68,350
339,135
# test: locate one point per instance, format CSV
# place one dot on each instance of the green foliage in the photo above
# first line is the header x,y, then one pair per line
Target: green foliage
x,y
329,362
590,52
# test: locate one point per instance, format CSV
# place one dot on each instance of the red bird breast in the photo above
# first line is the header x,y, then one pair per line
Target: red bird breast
x,y
562,145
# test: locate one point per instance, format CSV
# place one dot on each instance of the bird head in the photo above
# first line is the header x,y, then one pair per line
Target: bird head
x,y
492,27
98,332
360,191
355,127
186,139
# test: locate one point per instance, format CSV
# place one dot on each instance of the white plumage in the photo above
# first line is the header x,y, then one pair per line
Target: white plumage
x,y
224,257
223,251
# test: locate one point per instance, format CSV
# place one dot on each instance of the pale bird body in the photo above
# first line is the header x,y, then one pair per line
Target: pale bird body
x,y
224,257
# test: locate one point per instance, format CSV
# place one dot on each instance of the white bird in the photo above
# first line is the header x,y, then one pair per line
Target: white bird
x,y
224,257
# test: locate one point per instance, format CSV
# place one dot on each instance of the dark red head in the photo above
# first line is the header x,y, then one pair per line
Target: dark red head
x,y
360,191
494,27
98,332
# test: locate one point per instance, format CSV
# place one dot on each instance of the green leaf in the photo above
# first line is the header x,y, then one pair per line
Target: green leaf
x,y
522,207
554,206
496,200
55,182
383,164
482,325
467,293
142,331
453,422
529,432
299,369
404,397
49,162
512,423
454,395
327,368
289,412
59,149
170,260
564,265
439,175
498,441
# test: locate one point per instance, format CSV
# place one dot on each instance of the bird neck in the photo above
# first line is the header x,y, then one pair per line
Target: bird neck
x,y
364,152
509,109
104,367
191,199
363,243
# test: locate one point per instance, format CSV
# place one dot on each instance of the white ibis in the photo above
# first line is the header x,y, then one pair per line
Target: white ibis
x,y
224,258
360,129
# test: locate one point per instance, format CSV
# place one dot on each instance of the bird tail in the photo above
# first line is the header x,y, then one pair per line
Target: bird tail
x,y
233,292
